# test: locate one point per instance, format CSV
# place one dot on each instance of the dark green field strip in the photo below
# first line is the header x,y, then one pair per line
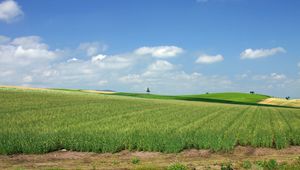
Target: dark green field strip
x,y
222,97
225,98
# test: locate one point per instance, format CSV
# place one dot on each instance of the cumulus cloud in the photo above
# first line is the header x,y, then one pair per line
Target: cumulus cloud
x,y
274,84
19,56
25,50
4,73
158,67
30,61
9,11
299,64
112,62
102,82
131,78
260,53
159,51
164,77
4,39
176,81
98,58
270,77
208,59
161,65
27,79
72,60
92,48
276,76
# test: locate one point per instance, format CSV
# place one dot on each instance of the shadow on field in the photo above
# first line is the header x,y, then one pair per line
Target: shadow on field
x,y
229,102
191,98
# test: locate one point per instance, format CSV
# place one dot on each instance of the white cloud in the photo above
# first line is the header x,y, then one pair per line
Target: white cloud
x,y
270,77
4,39
20,56
49,73
207,59
159,51
112,62
4,73
102,82
158,67
92,48
27,79
260,53
10,11
161,65
299,64
121,72
98,58
276,76
174,82
72,60
21,52
131,78
25,50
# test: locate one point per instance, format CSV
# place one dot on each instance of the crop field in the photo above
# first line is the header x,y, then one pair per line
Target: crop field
x,y
281,102
40,121
229,97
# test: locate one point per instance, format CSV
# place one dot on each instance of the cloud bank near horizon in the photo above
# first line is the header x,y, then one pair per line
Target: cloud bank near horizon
x,y
29,61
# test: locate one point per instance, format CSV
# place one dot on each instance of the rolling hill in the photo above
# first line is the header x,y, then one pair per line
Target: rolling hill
x,y
230,97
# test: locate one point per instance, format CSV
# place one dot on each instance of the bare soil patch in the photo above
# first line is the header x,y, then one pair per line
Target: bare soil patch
x,y
198,159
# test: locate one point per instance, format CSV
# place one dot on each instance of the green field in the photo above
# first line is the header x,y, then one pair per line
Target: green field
x,y
235,98
40,121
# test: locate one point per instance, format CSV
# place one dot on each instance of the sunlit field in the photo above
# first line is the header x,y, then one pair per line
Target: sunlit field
x,y
40,121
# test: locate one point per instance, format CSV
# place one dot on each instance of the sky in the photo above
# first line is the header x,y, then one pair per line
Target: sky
x,y
171,46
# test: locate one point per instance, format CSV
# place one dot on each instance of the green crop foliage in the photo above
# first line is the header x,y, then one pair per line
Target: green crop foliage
x,y
235,98
247,165
135,160
177,166
40,121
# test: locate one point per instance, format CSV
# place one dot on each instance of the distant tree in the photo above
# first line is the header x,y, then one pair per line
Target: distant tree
x,y
252,92
207,93
287,98
148,90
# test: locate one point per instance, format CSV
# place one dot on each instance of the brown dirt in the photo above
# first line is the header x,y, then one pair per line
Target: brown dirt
x,y
198,159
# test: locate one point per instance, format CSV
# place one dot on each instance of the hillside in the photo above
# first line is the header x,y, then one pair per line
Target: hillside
x,y
40,121
236,98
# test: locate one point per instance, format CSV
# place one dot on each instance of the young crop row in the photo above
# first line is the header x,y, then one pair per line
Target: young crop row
x,y
39,122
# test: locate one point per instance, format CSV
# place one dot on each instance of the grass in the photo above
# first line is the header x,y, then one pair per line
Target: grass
x,y
40,121
233,98
177,166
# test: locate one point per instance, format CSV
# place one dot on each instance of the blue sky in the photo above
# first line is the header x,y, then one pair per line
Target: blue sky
x,y
173,47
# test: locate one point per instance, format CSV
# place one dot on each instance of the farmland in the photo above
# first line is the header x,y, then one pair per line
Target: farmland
x,y
229,97
281,102
41,121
